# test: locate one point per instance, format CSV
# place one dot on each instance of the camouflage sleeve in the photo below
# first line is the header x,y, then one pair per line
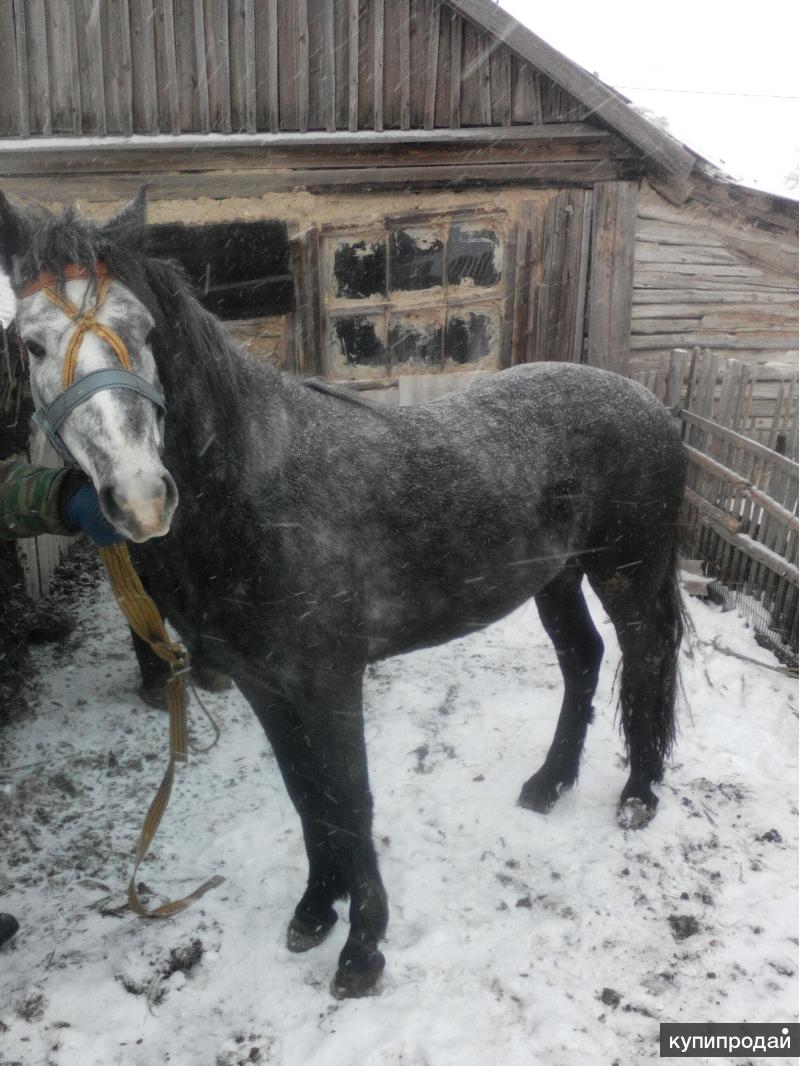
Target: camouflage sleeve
x,y
31,500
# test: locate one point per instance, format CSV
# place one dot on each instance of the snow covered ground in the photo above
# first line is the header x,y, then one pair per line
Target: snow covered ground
x,y
515,938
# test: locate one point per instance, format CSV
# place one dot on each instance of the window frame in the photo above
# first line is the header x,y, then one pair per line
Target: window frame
x,y
391,306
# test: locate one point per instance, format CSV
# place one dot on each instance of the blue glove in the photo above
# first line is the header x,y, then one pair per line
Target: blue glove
x,y
82,511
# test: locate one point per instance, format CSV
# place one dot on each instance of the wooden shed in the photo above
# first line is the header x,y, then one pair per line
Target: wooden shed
x,y
370,189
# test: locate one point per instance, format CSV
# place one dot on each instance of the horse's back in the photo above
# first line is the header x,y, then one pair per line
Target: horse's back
x,y
543,423
491,491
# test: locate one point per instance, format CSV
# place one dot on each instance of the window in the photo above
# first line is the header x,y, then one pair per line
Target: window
x,y
425,296
239,269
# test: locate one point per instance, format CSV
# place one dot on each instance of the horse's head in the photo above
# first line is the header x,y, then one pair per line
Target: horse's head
x,y
93,375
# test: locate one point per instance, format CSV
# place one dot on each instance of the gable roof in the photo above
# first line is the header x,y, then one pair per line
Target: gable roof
x,y
232,67
668,155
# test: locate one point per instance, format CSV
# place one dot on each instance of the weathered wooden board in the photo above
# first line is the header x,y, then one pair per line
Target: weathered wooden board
x,y
288,109
99,188
167,67
218,63
704,277
238,52
63,65
201,60
729,341
11,120
423,57
366,64
143,67
548,298
41,117
612,269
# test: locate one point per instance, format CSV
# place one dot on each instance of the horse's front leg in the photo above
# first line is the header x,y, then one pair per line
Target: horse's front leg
x,y
318,740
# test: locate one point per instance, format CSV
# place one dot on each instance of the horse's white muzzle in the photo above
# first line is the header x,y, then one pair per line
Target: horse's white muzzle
x,y
140,508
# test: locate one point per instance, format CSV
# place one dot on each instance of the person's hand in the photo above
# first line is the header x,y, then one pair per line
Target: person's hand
x,y
83,512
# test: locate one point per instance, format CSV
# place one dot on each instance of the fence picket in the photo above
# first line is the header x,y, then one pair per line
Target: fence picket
x,y
740,513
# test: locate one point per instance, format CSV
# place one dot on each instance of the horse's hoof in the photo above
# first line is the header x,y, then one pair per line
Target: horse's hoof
x,y
537,796
352,983
635,813
303,936
155,696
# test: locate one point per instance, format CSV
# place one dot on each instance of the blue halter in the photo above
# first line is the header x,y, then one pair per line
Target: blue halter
x,y
49,417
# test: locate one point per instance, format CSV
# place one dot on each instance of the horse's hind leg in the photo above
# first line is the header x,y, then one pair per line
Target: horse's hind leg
x,y
566,618
647,615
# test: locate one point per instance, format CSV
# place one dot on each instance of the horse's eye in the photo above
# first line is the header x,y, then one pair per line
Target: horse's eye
x,y
36,350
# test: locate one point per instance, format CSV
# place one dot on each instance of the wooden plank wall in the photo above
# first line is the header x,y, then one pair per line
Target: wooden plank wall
x,y
701,279
171,66
570,291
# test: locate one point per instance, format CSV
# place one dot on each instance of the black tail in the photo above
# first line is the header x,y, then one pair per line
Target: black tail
x,y
650,676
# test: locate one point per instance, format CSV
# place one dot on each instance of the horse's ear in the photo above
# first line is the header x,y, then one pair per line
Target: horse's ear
x,y
127,226
15,235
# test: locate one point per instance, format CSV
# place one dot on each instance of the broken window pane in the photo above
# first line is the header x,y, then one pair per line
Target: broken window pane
x,y
470,335
357,340
474,256
415,259
359,269
413,339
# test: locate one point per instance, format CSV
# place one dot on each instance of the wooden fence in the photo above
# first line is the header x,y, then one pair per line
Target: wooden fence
x,y
740,427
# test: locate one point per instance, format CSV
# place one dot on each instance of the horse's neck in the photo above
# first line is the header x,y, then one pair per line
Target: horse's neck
x,y
227,414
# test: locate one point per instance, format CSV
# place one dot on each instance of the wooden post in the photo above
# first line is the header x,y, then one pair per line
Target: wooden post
x,y
613,241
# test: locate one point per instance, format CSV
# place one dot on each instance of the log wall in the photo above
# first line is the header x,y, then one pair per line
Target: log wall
x,y
716,275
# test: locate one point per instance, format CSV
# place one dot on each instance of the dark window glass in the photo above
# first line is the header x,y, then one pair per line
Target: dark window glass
x,y
472,253
359,270
413,341
239,269
416,260
359,341
470,336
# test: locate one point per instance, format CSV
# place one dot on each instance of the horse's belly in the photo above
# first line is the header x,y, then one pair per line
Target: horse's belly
x,y
430,613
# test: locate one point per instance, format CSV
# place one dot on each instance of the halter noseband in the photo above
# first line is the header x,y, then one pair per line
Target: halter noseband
x,y
49,417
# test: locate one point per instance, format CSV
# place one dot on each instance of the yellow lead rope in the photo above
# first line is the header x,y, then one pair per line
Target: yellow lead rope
x,y
145,620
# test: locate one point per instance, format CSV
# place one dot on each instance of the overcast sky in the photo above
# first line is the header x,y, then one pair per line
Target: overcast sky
x,y
727,73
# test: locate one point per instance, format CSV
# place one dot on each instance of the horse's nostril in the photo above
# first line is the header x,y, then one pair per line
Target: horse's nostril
x,y
108,502
171,493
